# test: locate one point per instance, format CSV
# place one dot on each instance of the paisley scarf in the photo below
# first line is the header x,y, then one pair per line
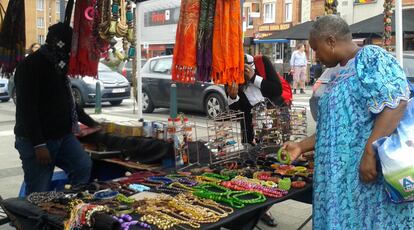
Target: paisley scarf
x,y
228,55
205,39
185,48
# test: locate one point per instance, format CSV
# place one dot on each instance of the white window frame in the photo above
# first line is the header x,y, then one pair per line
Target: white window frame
x,y
57,5
40,5
40,22
272,17
288,10
249,19
41,39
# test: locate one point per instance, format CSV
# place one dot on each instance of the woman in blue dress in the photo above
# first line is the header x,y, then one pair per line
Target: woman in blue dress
x,y
364,101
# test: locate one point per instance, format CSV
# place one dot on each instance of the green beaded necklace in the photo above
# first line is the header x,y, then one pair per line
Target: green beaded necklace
x,y
259,197
216,176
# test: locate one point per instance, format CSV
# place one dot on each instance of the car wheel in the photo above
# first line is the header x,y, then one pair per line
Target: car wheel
x,y
5,100
116,102
147,105
214,105
78,97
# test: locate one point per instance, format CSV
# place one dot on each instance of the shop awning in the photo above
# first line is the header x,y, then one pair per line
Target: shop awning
x,y
257,41
375,25
297,32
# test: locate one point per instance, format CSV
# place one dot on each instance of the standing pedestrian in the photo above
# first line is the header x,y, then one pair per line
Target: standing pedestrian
x,y
33,48
47,116
298,64
364,101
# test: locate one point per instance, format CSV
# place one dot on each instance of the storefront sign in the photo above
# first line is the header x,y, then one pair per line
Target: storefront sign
x,y
357,2
261,35
162,17
274,27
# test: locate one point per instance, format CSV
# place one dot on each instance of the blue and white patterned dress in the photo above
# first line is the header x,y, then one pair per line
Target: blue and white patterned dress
x,y
356,93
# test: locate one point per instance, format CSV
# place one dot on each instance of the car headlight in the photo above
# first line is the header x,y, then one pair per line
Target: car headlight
x,y
91,82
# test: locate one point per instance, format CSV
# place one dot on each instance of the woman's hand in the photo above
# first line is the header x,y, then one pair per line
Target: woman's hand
x,y
293,149
248,71
368,165
233,90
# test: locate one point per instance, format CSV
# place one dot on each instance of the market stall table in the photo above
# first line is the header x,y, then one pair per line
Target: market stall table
x,y
29,216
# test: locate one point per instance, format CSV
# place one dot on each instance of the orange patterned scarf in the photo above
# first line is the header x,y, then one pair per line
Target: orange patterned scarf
x,y
228,55
185,49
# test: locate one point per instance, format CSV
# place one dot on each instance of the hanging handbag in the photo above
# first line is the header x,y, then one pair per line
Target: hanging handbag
x,y
396,154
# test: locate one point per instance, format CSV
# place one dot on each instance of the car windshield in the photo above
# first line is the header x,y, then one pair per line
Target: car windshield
x,y
103,68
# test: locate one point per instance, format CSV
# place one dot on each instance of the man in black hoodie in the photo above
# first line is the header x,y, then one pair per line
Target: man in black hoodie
x,y
47,116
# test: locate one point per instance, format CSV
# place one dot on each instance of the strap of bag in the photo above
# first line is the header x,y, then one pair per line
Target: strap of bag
x,y
2,14
68,12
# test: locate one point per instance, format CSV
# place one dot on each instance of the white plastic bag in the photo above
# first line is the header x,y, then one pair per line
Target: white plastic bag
x,y
396,154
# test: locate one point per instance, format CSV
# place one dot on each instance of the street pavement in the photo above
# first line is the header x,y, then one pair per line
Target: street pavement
x,y
289,214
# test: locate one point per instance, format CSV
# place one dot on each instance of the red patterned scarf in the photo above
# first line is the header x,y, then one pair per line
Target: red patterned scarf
x,y
85,55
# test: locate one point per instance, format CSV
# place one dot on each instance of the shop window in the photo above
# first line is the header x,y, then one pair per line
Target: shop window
x,y
269,13
288,10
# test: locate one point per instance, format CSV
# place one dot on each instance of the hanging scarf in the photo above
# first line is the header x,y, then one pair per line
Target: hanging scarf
x,y
228,56
205,39
12,37
85,55
60,60
185,49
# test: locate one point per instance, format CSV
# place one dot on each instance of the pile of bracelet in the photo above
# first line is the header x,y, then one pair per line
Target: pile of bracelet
x,y
166,212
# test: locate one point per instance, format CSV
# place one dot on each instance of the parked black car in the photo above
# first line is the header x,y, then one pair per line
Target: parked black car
x,y
156,82
125,68
114,87
320,85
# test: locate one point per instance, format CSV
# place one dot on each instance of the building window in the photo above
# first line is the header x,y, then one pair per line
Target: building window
x,y
269,13
288,10
249,18
40,5
40,23
41,39
58,6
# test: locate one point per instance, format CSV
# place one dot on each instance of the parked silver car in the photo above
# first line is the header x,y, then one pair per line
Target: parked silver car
x,y
114,87
320,85
156,83
4,90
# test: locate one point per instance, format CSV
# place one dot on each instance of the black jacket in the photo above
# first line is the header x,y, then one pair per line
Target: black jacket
x,y
43,107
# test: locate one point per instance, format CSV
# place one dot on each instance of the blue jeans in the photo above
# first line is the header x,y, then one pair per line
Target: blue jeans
x,y
66,153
